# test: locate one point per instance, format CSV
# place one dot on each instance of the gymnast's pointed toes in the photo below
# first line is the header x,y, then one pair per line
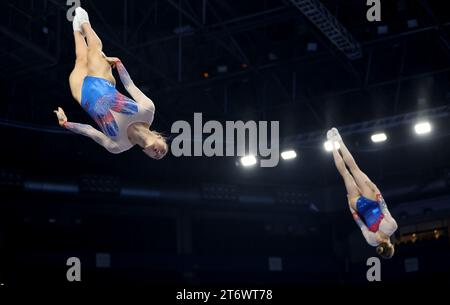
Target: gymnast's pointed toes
x,y
330,135
80,10
76,24
336,136
82,15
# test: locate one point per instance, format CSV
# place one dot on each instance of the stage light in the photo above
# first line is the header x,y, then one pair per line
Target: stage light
x,y
422,128
328,145
378,137
205,74
436,234
288,154
248,160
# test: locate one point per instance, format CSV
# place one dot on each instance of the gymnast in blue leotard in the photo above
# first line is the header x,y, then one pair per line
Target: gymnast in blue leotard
x,y
123,121
366,204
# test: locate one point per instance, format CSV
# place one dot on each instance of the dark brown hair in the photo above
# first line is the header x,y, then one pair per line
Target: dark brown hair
x,y
385,250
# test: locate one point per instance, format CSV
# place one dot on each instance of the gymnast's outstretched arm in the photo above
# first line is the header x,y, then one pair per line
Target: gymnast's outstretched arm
x,y
127,82
88,131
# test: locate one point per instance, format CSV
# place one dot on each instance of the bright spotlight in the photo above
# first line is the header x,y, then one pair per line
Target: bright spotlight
x,y
422,128
288,154
378,137
329,145
248,160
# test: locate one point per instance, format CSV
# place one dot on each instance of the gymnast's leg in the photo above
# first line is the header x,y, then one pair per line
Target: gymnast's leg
x,y
96,60
363,182
81,69
353,191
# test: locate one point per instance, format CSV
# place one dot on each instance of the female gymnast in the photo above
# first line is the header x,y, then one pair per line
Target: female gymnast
x,y
366,204
124,122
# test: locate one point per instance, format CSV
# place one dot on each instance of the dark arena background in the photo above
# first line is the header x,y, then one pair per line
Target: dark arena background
x,y
202,222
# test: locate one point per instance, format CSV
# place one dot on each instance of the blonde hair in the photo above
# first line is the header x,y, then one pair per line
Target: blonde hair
x,y
385,250
157,133
160,134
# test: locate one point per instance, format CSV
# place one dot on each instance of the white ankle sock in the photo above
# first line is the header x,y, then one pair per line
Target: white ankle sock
x,y
82,15
76,24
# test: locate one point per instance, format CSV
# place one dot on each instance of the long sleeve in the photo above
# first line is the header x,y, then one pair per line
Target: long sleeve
x,y
129,85
368,235
383,206
94,134
390,225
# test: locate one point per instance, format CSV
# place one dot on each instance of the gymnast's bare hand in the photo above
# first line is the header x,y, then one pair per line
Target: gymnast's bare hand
x,y
62,118
112,61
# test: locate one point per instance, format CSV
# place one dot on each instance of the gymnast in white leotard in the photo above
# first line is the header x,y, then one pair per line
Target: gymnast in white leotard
x,y
124,122
368,208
